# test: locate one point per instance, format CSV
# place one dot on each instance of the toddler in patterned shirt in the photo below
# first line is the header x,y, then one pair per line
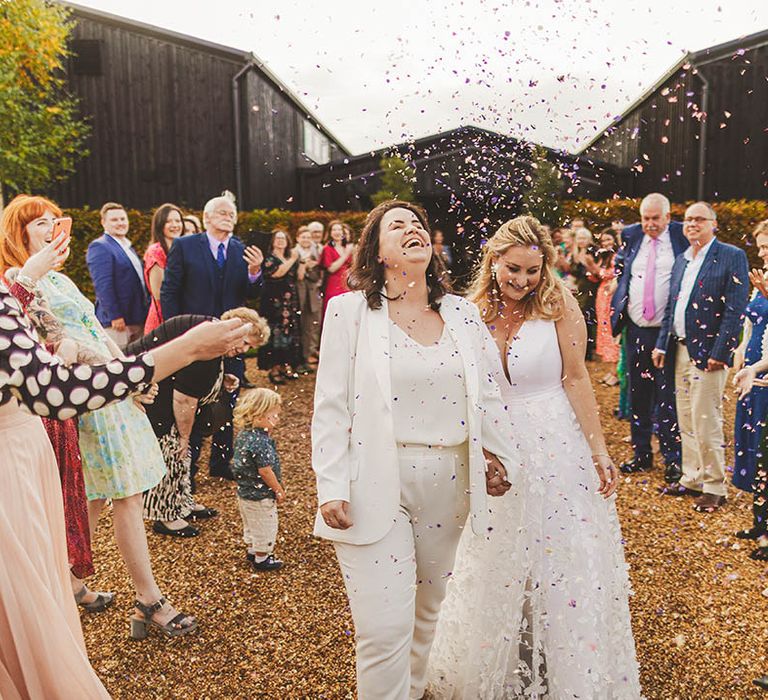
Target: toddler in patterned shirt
x,y
256,467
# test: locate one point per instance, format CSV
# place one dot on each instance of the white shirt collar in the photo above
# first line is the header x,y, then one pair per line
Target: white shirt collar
x,y
701,254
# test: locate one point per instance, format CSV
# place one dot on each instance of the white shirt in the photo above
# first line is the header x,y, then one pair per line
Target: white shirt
x,y
125,244
429,393
690,274
665,259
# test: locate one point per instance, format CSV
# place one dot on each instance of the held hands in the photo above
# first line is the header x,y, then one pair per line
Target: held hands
x,y
51,257
606,471
118,324
254,257
714,365
496,483
657,357
336,515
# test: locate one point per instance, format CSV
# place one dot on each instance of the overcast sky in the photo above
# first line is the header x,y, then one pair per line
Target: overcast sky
x,y
378,73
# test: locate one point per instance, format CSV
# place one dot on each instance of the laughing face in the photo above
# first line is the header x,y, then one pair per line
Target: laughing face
x,y
403,240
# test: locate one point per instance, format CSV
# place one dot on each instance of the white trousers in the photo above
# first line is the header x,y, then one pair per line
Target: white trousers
x,y
259,524
396,585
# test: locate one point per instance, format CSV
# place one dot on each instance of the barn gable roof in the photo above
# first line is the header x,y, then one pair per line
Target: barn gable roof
x,y
238,56
694,58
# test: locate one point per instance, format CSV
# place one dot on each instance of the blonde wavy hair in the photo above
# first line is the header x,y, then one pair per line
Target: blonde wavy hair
x,y
544,302
253,404
259,333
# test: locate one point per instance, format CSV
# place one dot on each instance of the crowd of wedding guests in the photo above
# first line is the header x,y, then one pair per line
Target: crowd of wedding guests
x,y
666,305
669,305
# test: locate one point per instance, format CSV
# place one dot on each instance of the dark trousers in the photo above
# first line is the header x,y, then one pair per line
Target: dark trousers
x,y
760,486
221,440
651,396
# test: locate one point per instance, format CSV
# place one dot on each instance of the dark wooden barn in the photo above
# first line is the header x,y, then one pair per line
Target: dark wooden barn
x,y
702,131
175,118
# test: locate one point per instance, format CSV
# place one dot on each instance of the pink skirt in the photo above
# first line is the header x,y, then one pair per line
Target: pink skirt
x,y
42,652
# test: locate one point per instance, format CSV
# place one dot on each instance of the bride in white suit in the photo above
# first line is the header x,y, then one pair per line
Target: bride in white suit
x,y
409,434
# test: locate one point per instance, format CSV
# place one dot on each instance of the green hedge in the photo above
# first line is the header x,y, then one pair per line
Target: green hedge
x,y
86,227
736,218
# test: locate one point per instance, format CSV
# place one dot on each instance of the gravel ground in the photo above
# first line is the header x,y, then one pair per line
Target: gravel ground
x,y
697,611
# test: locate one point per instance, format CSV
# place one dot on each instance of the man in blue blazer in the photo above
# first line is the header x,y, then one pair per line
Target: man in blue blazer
x,y
644,265
118,278
708,294
210,273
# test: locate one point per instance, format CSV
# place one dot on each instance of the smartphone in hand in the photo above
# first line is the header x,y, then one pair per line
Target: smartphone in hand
x,y
62,227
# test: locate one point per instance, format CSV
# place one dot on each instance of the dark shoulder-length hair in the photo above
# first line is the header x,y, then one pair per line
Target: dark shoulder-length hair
x,y
158,223
367,272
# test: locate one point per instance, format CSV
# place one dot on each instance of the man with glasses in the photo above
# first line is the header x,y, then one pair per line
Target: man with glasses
x,y
708,294
210,273
644,264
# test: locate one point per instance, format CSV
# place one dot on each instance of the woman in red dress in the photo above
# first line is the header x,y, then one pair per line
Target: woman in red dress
x,y
167,224
336,260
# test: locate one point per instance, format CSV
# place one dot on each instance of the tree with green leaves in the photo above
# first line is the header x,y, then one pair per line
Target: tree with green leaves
x,y
41,135
397,178
545,187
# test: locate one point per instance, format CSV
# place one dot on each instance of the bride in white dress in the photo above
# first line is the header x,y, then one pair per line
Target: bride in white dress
x,y
539,608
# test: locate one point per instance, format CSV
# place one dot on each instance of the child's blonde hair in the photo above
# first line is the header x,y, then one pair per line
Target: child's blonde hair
x,y
253,404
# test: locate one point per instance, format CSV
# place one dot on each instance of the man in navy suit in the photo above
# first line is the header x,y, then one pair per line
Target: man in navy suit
x,y
708,294
644,265
210,273
118,278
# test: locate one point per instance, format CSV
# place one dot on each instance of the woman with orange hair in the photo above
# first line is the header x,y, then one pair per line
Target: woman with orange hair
x,y
120,455
42,652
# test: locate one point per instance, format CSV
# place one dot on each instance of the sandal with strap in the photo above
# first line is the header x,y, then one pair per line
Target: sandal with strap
x,y
102,602
172,628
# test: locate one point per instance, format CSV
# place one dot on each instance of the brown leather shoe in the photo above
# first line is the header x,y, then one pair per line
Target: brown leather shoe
x,y
708,503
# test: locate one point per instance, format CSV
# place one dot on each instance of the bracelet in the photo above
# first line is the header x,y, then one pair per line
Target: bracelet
x,y
26,281
601,454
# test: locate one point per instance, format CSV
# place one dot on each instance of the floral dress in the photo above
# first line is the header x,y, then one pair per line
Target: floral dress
x,y
119,450
280,306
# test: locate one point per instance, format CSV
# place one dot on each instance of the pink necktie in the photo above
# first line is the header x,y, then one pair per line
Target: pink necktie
x,y
649,286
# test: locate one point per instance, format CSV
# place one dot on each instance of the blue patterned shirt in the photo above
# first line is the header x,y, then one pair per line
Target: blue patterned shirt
x,y
254,450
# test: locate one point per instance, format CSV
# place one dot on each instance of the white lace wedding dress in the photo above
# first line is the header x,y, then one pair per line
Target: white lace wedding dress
x,y
539,608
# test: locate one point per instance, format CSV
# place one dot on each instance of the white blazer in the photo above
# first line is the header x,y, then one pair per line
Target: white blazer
x,y
354,454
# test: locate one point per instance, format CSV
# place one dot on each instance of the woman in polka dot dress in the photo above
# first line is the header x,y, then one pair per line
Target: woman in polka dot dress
x,y
120,455
42,652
